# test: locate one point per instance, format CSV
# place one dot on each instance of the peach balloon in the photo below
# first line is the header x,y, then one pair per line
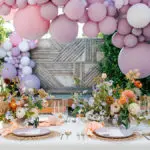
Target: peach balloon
x,y
60,2
90,29
29,24
97,12
49,11
63,30
4,9
74,9
108,25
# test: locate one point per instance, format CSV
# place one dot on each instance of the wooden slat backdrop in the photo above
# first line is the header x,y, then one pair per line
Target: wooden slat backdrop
x,y
58,63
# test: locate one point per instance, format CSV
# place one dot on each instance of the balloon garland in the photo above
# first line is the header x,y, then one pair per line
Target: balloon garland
x,y
34,18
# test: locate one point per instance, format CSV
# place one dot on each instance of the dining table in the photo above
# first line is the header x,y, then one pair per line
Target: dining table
x,y
74,141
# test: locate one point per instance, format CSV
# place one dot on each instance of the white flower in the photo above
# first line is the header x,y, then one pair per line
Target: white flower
x,y
134,109
73,106
115,108
104,75
20,112
137,92
35,111
103,103
91,101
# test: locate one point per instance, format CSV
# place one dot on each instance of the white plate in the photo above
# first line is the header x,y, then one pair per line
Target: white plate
x,y
112,132
28,132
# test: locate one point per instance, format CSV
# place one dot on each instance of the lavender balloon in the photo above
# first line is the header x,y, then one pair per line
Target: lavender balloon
x,y
31,81
15,51
9,71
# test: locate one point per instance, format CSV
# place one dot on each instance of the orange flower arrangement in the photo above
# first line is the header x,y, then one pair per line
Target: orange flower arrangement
x,y
122,100
138,84
129,94
12,104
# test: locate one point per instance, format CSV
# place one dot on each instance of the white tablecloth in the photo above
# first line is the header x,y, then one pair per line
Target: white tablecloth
x,y
73,143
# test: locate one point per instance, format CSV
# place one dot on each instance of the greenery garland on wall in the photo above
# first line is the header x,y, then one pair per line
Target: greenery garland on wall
x,y
109,65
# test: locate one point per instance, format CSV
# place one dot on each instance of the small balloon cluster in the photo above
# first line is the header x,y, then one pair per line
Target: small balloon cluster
x,y
130,18
16,55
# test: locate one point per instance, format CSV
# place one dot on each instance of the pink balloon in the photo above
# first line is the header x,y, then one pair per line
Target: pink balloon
x,y
130,40
15,39
4,9
49,11
124,9
145,1
108,25
136,32
60,2
40,2
135,58
29,24
93,1
146,31
132,2
141,38
10,16
74,9
123,27
111,11
97,12
90,29
84,18
10,2
15,51
21,3
118,40
1,2
63,30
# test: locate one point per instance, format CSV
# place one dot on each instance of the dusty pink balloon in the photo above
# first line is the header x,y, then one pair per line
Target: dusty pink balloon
x,y
145,1
10,16
141,38
15,39
124,9
130,40
136,32
132,2
97,12
21,3
118,40
108,25
40,2
49,11
135,58
146,31
4,9
91,29
74,9
15,51
111,11
60,2
123,27
32,2
93,1
29,24
1,2
10,2
63,30
84,18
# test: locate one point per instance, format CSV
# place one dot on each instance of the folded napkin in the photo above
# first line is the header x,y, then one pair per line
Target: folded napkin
x,y
51,121
92,126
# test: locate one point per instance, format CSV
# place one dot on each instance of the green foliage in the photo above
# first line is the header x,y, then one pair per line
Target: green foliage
x,y
3,32
109,65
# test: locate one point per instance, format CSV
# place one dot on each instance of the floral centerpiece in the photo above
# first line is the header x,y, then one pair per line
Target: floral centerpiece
x,y
20,105
112,103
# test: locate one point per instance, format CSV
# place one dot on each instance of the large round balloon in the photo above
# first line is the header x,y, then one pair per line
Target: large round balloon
x,y
74,9
63,30
60,2
29,24
9,71
31,81
135,58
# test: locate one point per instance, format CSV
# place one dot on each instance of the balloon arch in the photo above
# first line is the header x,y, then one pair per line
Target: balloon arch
x,y
128,20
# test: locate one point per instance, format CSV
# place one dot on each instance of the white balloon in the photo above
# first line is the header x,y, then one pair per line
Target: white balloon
x,y
26,70
9,53
24,46
25,61
7,45
2,53
138,15
6,59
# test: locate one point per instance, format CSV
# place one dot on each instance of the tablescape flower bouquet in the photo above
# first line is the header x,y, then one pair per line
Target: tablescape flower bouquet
x,y
108,103
20,105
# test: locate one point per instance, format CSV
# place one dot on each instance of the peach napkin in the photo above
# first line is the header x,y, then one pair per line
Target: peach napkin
x,y
92,126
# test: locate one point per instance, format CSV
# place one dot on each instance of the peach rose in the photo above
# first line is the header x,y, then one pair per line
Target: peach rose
x,y
129,94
